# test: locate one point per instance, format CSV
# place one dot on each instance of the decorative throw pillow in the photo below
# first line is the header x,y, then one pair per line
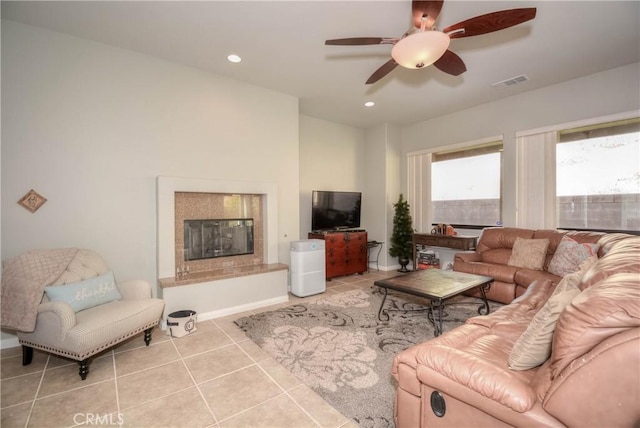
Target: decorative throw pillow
x,y
569,255
529,253
85,294
533,347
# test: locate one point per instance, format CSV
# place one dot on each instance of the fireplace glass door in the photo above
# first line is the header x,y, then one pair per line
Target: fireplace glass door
x,y
206,239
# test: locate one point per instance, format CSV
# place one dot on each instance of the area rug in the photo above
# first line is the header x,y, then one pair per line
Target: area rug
x,y
336,345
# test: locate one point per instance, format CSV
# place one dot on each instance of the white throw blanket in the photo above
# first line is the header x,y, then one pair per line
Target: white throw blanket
x,y
23,280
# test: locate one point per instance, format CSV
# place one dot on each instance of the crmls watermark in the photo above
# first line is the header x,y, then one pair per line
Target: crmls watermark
x,y
116,419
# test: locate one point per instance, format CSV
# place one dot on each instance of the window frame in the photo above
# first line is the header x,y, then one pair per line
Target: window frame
x,y
527,196
605,129
419,189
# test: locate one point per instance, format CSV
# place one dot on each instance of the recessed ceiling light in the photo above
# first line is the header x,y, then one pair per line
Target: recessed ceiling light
x,y
234,58
369,104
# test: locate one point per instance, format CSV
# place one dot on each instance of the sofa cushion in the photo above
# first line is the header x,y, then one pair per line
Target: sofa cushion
x,y
607,308
87,293
501,273
529,253
501,237
569,255
534,346
620,256
524,277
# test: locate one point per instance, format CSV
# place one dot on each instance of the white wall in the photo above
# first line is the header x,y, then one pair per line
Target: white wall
x,y
383,183
610,92
332,157
90,127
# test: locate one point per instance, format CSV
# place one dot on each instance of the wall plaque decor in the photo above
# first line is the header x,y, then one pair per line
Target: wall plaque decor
x,y
32,200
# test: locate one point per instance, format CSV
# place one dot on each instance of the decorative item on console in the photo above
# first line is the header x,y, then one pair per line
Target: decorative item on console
x,y
444,229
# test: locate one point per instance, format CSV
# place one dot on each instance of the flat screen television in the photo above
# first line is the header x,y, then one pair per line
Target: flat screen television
x,y
335,210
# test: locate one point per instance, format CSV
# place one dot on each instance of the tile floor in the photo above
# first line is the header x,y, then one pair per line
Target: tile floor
x,y
215,377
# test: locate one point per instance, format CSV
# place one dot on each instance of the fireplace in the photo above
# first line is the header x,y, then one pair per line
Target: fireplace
x,y
218,230
181,199
219,286
208,239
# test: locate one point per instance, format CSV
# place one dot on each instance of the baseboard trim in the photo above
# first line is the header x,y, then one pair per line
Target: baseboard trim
x,y
9,342
205,316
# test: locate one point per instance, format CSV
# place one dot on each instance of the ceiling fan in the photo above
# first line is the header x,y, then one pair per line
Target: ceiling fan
x,y
424,45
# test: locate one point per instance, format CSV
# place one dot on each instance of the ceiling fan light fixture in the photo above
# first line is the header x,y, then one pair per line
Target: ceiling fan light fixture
x,y
420,49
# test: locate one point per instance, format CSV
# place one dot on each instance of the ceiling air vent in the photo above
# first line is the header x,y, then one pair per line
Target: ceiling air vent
x,y
512,81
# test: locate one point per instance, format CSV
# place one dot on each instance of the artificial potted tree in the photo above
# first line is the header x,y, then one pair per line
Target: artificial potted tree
x,y
402,235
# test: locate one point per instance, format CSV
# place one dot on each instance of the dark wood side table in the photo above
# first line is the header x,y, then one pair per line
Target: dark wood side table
x,y
457,242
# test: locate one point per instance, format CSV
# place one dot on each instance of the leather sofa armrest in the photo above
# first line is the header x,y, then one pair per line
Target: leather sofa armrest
x,y
136,289
467,256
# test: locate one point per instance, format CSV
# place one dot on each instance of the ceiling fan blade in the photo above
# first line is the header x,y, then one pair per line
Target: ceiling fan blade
x,y
491,22
430,9
450,63
357,41
385,69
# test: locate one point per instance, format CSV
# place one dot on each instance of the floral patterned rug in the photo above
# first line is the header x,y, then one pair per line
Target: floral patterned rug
x,y
336,345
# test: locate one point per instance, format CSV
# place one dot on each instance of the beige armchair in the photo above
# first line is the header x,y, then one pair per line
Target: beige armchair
x,y
62,325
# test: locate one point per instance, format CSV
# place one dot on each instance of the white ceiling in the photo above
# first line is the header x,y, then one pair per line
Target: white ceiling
x,y
282,46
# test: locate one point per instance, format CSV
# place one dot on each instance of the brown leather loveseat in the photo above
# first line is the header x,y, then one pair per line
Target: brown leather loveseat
x,y
591,374
495,248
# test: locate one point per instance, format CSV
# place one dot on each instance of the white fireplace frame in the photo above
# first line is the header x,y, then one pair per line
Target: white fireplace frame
x,y
166,190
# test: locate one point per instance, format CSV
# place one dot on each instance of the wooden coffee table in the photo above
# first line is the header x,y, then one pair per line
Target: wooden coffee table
x,y
436,285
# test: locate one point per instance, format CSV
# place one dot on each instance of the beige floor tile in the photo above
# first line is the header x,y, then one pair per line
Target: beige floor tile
x,y
205,325
58,361
238,391
134,389
12,366
233,373
185,408
70,408
145,357
204,339
317,407
254,351
281,412
11,352
209,365
137,341
67,377
15,416
227,325
282,376
19,389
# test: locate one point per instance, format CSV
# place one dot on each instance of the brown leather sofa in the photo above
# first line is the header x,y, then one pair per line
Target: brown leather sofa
x,y
592,378
492,255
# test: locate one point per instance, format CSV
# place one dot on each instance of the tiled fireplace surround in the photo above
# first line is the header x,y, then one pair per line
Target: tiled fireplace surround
x,y
208,206
220,286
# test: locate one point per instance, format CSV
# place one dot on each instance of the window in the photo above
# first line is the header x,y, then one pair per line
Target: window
x,y
466,185
598,177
